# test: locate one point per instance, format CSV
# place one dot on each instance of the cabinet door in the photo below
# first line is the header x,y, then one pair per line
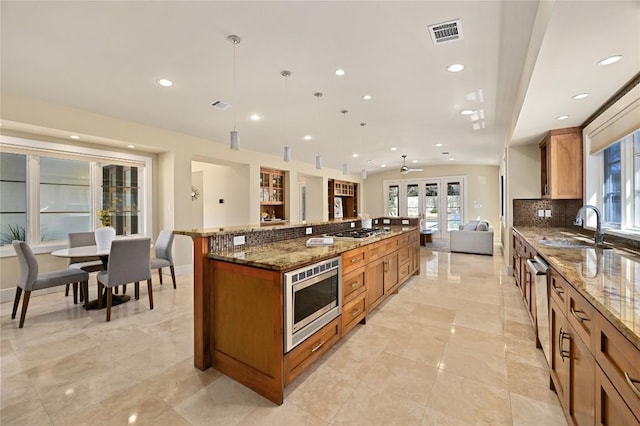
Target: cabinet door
x,y
610,407
560,351
375,283
390,272
582,387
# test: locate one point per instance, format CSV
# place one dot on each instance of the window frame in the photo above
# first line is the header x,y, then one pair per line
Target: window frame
x,y
97,157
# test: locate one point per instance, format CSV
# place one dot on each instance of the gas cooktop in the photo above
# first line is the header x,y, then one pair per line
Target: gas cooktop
x,y
357,233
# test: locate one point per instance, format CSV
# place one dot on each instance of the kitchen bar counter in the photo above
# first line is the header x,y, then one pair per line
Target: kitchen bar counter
x,y
608,278
291,254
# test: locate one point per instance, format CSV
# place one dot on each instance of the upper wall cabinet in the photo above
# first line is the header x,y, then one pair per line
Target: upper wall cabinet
x,y
561,161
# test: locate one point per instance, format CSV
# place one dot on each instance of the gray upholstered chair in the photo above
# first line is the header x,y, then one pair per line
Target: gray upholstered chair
x,y
30,279
128,263
88,264
164,257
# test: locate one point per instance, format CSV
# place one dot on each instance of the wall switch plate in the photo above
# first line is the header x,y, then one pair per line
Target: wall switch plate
x,y
547,213
375,222
238,241
540,213
308,231
405,221
353,224
386,221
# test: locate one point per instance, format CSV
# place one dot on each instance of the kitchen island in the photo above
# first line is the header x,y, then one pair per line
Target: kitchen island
x,y
239,312
594,321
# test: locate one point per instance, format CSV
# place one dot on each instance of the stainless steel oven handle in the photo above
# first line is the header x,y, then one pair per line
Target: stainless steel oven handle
x,y
318,346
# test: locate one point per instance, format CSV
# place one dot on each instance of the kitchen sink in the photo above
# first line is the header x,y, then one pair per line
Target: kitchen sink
x,y
570,243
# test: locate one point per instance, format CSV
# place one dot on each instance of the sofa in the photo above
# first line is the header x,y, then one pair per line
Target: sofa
x,y
474,237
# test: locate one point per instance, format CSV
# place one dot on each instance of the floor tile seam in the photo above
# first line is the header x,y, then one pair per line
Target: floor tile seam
x,y
493,384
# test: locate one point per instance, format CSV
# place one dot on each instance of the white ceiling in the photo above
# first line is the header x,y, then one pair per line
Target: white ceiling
x,y
524,60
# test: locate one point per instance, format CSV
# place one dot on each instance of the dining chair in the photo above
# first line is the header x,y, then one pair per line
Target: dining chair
x,y
128,263
88,264
29,278
164,257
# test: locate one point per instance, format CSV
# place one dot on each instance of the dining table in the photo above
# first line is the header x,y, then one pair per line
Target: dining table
x,y
92,251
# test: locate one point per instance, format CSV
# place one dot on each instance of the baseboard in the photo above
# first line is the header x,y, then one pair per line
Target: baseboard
x,y
183,269
9,294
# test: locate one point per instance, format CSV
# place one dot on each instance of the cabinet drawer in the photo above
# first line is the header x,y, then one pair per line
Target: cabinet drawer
x,y
619,359
582,316
403,240
296,360
353,259
558,288
353,284
611,409
404,269
381,248
353,312
404,254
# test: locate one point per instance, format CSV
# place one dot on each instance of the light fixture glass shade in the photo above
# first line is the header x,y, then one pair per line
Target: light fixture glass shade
x,y
345,169
235,140
318,162
287,154
363,173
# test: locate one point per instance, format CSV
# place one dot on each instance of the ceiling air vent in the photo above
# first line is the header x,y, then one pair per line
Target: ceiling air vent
x,y
220,104
446,31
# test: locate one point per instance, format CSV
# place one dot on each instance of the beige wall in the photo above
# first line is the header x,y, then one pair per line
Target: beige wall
x,y
482,191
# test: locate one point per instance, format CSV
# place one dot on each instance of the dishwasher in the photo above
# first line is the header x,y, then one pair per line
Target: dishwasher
x,y
538,269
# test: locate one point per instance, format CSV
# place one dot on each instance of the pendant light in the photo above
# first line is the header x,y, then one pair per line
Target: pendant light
x,y
235,137
318,95
363,173
286,156
345,166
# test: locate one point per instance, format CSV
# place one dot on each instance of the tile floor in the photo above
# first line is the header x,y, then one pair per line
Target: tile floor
x,y
454,347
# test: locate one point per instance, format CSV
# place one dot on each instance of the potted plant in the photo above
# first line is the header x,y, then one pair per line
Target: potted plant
x,y
105,234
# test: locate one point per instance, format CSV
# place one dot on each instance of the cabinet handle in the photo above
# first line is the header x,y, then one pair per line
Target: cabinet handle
x,y
355,284
632,383
357,259
355,312
578,317
318,346
561,336
557,289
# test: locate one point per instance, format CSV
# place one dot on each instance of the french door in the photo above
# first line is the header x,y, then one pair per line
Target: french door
x,y
439,202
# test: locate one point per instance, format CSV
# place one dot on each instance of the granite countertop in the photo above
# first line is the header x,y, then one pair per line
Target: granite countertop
x,y
283,224
293,253
608,278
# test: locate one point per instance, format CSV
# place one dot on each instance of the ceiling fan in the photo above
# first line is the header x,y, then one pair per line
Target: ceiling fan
x,y
404,169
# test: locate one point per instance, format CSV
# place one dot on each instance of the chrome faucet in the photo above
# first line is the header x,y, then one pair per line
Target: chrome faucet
x,y
599,235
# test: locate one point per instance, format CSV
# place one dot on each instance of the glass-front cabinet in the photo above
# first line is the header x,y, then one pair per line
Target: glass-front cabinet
x,y
272,196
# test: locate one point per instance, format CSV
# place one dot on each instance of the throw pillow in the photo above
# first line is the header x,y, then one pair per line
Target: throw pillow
x,y
470,226
483,226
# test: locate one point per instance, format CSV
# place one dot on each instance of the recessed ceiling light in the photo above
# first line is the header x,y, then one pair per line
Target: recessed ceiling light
x,y
307,138
414,161
355,155
393,148
366,97
131,146
451,158
455,67
74,137
466,112
383,165
610,60
580,96
562,117
255,117
164,82
339,72
438,144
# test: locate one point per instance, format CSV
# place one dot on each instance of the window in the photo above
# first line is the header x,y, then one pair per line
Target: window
x,y
393,201
48,190
613,184
611,195
413,200
13,197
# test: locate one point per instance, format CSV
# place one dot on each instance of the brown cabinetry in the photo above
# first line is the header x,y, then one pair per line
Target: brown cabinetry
x,y
272,194
347,195
561,164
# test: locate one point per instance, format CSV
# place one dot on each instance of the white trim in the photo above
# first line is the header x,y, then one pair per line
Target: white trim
x,y
9,295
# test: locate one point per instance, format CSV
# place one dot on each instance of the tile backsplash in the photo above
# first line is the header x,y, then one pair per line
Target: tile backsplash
x,y
563,213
